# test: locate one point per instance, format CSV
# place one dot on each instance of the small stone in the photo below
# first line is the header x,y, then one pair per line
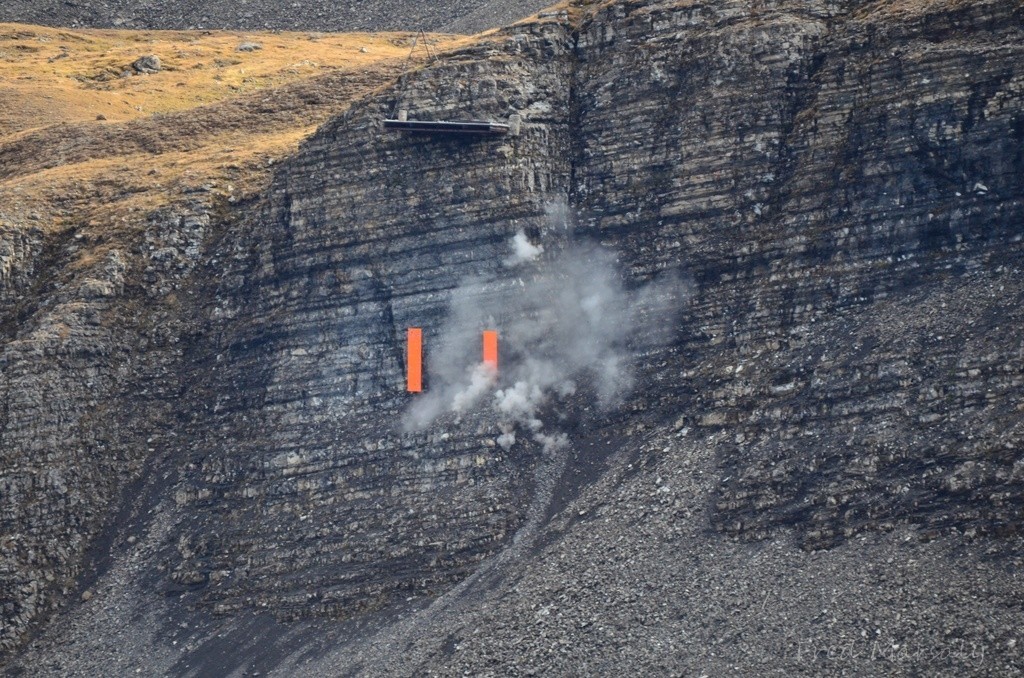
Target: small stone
x,y
101,117
249,47
86,596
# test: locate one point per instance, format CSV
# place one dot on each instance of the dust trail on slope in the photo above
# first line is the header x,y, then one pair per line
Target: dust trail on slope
x,y
395,650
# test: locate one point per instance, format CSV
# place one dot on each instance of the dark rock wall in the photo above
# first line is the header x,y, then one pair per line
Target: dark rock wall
x,y
89,369
841,185
804,168
306,494
786,159
903,176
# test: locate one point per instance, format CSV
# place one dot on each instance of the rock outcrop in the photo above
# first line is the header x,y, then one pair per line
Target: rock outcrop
x,y
832,428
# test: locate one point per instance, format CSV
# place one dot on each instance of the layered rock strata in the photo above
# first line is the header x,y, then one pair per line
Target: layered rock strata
x,y
842,185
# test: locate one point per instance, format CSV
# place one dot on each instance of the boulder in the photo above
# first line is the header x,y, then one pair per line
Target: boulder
x,y
149,63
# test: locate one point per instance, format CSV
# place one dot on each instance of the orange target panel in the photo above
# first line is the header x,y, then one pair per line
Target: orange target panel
x,y
491,348
414,360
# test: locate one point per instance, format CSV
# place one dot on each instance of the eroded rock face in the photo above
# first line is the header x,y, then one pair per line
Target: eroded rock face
x,y
789,202
367,234
856,170
88,373
842,186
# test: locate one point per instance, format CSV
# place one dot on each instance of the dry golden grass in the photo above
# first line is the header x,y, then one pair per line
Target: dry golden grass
x,y
52,75
208,126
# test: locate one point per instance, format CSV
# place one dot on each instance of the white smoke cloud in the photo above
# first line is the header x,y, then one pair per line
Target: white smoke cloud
x,y
523,250
482,377
565,323
507,439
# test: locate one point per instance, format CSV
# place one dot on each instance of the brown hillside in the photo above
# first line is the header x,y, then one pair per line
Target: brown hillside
x,y
86,139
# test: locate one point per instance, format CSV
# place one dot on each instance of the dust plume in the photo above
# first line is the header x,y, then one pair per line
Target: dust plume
x,y
565,320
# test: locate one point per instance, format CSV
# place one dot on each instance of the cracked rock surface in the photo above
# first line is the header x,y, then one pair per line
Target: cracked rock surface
x,y
820,472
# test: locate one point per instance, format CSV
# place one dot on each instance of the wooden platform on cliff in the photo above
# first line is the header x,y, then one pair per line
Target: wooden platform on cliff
x,y
478,127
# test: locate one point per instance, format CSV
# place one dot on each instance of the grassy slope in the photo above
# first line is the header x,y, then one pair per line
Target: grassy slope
x,y
213,120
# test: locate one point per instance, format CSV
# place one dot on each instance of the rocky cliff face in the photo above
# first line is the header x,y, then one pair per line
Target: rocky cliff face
x,y
89,370
297,430
828,434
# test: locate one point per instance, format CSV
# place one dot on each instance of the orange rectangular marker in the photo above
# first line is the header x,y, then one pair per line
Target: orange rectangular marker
x,y
414,360
491,348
